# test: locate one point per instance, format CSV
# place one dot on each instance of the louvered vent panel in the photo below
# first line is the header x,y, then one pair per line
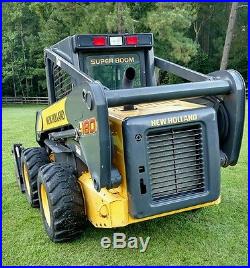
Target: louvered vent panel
x,y
176,162
62,82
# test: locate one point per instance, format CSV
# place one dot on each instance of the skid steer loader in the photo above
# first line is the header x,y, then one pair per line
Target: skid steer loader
x,y
115,148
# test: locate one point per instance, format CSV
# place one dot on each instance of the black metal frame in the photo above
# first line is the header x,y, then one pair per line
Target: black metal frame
x,y
180,71
229,84
17,154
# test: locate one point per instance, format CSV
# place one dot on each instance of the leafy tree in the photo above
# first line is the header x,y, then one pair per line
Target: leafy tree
x,y
170,23
120,21
19,28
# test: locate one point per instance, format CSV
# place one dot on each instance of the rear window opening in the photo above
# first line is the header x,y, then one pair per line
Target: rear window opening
x,y
110,69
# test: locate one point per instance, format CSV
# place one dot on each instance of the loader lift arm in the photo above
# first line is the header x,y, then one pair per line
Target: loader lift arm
x,y
180,71
88,100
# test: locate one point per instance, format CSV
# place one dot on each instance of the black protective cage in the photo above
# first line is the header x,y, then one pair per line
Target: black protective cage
x,y
228,86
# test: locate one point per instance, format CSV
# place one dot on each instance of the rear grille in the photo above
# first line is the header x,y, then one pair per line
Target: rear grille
x,y
175,162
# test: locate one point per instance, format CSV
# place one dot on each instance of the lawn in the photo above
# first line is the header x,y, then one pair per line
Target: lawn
x,y
211,236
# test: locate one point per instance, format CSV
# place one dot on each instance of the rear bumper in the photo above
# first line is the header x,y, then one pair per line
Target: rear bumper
x,y
216,202
108,209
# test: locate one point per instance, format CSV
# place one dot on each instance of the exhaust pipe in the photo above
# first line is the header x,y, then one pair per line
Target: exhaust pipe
x,y
128,78
127,82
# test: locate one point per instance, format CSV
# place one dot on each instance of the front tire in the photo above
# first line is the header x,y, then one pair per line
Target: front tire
x,y
31,161
61,202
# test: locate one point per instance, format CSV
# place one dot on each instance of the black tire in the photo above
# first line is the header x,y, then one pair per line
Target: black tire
x,y
63,213
31,161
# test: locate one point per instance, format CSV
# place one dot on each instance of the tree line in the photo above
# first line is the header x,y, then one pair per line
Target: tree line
x,y
191,34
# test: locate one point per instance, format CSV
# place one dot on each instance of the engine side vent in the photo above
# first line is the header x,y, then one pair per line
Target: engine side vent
x,y
175,160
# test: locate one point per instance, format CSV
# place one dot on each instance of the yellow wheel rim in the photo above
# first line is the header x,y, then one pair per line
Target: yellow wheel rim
x,y
45,204
26,178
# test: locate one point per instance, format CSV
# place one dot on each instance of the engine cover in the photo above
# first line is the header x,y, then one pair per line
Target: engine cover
x,y
172,160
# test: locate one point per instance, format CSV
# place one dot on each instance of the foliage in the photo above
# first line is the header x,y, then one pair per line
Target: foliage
x,y
170,23
192,34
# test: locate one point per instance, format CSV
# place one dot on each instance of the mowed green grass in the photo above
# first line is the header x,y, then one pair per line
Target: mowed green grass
x,y
211,236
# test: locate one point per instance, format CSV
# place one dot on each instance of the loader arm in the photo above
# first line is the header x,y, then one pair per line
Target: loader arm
x,y
85,102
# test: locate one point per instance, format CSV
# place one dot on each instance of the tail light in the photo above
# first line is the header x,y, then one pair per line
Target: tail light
x,y
99,41
131,40
102,41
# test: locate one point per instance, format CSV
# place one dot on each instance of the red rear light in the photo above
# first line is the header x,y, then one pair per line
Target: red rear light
x,y
131,40
99,41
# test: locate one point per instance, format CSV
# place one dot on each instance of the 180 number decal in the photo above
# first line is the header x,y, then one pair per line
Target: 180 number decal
x,y
88,126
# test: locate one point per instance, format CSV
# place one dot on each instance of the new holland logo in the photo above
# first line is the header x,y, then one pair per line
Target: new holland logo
x,y
174,120
60,115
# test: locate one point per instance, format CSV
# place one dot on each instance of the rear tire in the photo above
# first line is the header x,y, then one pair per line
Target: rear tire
x,y
31,161
61,202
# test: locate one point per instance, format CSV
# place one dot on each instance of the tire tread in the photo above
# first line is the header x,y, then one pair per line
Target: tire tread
x,y
35,158
65,199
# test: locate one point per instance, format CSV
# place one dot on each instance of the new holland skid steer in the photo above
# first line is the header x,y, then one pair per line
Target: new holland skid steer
x,y
115,148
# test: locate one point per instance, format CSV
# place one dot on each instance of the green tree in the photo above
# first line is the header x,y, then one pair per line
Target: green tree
x,y
19,34
170,22
119,20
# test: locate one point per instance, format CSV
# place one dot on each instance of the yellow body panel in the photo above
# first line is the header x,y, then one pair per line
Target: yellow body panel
x,y
39,123
53,116
105,209
109,208
153,108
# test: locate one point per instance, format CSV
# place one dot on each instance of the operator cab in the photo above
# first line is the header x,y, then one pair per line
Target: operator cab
x,y
108,58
